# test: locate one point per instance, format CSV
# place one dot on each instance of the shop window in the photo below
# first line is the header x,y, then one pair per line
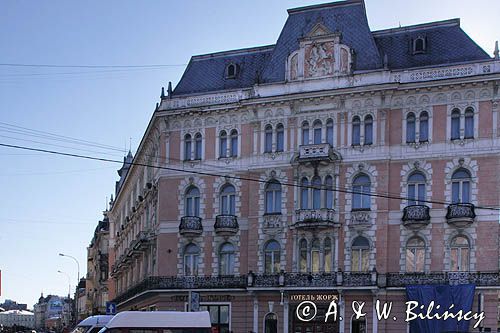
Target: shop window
x,y
219,317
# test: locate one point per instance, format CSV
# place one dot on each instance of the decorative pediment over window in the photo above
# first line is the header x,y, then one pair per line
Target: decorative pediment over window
x,y
321,54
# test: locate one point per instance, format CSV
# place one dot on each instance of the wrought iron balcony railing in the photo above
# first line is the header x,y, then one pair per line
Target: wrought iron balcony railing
x,y
226,224
190,226
460,214
416,216
306,280
313,218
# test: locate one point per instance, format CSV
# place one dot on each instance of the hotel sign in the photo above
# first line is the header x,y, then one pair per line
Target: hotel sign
x,y
314,297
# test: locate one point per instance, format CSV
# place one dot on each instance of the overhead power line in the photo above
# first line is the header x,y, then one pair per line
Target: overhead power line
x,y
211,174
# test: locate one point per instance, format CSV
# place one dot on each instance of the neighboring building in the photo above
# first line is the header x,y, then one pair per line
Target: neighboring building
x,y
97,269
54,309
339,163
17,318
13,305
81,309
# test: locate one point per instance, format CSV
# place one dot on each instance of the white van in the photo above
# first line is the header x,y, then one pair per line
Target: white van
x,y
159,322
92,324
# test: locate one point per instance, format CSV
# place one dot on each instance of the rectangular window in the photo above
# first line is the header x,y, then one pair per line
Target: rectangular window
x,y
277,202
455,192
465,192
455,128
280,140
410,131
469,127
317,135
268,142
424,130
305,136
234,147
355,135
411,194
329,135
369,134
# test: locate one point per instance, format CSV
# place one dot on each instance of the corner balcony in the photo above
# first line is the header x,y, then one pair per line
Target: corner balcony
x,y
315,218
190,226
416,216
226,225
460,215
315,152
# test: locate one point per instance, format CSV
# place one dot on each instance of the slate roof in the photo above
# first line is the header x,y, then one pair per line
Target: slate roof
x,y
447,43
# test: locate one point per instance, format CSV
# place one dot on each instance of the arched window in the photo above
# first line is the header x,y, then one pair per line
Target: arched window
x,y
415,255
303,256
273,197
317,132
356,131
459,254
460,186
361,186
327,255
416,189
315,249
226,259
191,255
424,127
222,144
231,71
234,143
187,147
455,124
192,201
316,192
419,45
197,146
272,252
329,131
268,139
228,200
368,130
360,254
271,323
410,127
305,133
280,137
304,193
469,123
329,192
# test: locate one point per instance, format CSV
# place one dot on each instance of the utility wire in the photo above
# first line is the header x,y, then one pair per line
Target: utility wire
x,y
89,66
203,173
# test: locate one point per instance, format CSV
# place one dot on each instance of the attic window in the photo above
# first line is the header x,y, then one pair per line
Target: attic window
x,y
419,45
231,71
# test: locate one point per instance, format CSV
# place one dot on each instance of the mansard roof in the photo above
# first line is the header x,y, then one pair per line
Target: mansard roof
x,y
446,43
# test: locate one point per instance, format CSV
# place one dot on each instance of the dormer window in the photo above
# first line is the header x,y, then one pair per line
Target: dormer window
x,y
231,71
419,45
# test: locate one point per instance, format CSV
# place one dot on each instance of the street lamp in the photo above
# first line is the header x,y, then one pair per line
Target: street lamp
x,y
69,283
77,283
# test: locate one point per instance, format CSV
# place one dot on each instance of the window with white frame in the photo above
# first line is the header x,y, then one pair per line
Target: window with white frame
x,y
416,189
459,254
360,252
329,131
304,193
461,186
228,200
328,192
361,188
368,130
415,255
316,192
193,147
410,127
273,197
268,139
462,123
223,144
226,259
469,123
197,146
234,143
187,147
314,258
455,124
423,127
272,253
191,255
356,131
192,201
305,133
280,138
317,131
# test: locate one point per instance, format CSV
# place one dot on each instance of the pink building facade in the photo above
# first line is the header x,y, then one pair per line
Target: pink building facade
x,y
338,164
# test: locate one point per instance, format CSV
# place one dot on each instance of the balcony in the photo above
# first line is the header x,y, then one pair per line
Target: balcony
x,y
460,215
482,279
315,218
315,152
360,219
416,216
226,225
190,226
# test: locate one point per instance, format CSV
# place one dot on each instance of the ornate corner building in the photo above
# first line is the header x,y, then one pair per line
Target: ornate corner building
x,y
340,163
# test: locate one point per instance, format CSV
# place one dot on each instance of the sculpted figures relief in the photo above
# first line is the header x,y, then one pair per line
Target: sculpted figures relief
x,y
319,60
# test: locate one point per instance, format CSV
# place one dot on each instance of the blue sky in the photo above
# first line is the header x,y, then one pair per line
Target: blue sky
x,y
51,204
